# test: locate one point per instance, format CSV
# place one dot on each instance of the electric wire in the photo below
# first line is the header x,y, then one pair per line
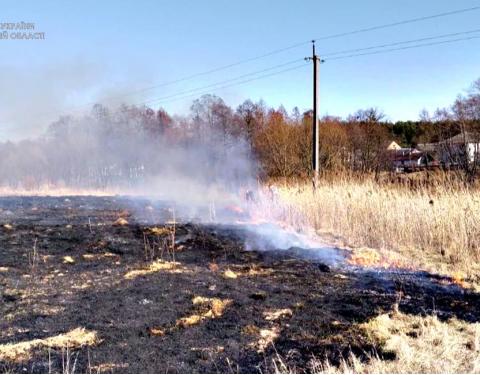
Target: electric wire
x,y
326,56
287,48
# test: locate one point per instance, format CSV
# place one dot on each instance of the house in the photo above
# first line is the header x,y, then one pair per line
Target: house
x,y
408,159
456,150
460,148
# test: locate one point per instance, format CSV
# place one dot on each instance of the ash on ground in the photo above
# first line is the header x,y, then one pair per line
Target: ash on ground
x,y
164,296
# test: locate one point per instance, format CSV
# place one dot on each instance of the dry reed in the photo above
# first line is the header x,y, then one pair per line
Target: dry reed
x,y
438,229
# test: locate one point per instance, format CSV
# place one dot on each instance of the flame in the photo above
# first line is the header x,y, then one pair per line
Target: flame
x,y
459,279
365,258
235,209
384,259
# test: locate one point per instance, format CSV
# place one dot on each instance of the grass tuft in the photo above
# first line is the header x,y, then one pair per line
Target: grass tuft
x,y
74,339
420,345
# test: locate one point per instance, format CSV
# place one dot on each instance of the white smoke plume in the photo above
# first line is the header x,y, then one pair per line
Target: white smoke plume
x,y
197,161
201,165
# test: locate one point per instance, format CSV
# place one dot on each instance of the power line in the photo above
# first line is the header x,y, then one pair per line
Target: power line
x,y
403,48
213,85
399,23
173,98
159,100
221,84
207,72
287,48
280,50
303,65
400,43
333,53
300,44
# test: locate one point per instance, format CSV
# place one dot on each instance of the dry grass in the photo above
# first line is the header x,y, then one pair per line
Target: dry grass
x,y
439,230
207,308
73,339
68,259
204,308
156,266
229,274
159,231
277,314
421,345
251,271
120,222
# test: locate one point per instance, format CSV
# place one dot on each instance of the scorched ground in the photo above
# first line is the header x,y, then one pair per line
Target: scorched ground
x,y
109,284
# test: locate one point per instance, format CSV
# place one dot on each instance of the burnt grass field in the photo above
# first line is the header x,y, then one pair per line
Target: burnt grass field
x,y
107,265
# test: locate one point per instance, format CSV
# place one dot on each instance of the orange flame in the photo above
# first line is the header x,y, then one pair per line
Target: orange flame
x,y
459,279
234,208
366,257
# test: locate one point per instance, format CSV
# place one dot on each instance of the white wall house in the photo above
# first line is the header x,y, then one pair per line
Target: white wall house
x,y
460,148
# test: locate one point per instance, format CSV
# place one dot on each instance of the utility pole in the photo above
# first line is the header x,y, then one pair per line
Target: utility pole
x,y
315,147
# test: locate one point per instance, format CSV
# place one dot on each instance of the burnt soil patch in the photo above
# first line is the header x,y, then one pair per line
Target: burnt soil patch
x,y
64,264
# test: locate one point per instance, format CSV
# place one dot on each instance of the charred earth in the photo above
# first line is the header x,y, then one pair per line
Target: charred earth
x,y
111,284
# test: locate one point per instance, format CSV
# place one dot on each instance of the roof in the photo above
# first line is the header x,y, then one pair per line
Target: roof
x,y
427,147
404,154
393,146
469,138
408,157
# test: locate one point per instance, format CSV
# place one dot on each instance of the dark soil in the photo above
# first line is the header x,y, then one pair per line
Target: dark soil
x,y
43,295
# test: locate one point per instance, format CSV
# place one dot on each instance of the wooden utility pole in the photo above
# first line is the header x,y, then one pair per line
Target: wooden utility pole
x,y
315,147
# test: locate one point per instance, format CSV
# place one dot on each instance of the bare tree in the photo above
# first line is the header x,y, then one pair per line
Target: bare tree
x,y
368,139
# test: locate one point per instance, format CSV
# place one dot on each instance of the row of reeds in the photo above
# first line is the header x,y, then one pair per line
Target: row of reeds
x,y
435,225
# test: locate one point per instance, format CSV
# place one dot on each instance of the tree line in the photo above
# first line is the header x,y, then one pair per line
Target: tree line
x,y
107,146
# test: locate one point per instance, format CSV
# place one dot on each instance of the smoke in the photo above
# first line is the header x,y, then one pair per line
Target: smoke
x,y
201,165
274,237
199,162
32,97
275,225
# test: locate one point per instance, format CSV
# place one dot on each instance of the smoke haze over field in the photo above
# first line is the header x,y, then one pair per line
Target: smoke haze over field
x,y
194,161
31,98
202,164
34,96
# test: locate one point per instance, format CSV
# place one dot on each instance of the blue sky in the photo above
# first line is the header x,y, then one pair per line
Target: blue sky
x,y
98,49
